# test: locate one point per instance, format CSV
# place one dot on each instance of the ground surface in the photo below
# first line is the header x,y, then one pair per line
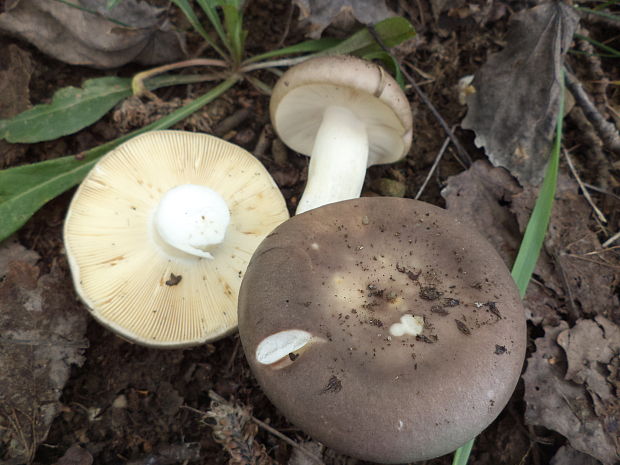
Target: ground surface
x,y
128,404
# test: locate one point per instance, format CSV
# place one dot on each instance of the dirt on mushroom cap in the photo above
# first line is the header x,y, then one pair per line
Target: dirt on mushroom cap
x,y
349,271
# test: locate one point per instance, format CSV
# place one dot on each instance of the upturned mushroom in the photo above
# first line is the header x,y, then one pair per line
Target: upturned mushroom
x,y
159,234
383,327
347,114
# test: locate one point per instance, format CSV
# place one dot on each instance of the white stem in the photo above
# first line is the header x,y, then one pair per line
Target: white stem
x,y
339,160
192,219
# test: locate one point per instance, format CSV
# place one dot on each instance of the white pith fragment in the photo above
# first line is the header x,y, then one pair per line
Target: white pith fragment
x,y
409,324
279,345
192,218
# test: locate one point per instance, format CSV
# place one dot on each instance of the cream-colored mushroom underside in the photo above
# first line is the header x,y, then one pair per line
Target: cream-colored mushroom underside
x,y
120,270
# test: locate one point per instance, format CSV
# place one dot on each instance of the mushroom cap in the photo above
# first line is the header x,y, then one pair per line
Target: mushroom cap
x,y
304,91
352,274
132,282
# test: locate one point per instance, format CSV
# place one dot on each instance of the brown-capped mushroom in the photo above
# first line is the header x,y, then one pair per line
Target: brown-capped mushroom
x,y
159,234
347,114
383,327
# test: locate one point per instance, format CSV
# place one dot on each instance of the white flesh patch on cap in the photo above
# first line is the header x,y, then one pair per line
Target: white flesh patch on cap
x,y
409,324
279,345
192,219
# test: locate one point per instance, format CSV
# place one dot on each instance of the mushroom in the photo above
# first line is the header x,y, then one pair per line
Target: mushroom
x,y
347,114
383,327
159,234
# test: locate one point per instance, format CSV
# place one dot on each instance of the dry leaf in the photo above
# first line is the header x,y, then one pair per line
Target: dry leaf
x,y
514,109
572,264
41,335
321,13
562,405
566,455
479,197
79,37
75,455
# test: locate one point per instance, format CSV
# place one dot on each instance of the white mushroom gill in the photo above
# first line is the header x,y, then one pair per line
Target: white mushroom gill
x,y
339,160
192,218
409,324
279,345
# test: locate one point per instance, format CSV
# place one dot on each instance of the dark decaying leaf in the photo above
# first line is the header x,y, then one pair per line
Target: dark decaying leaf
x,y
562,400
15,70
321,13
95,37
513,110
42,331
479,197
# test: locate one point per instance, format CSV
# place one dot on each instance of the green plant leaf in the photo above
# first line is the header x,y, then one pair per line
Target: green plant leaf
x,y
390,63
392,31
25,189
71,109
75,108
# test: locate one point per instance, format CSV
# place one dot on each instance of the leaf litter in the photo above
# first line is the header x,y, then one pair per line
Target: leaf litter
x,y
514,108
93,35
42,335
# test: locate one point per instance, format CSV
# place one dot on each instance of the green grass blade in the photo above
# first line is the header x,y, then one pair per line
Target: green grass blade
x,y
209,8
25,189
390,63
534,235
536,229
309,46
615,53
187,9
462,453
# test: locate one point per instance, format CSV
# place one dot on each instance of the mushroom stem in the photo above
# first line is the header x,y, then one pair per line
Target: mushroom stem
x,y
192,219
339,160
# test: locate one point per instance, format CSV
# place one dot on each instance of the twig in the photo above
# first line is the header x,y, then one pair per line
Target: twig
x,y
287,25
586,194
231,122
444,146
611,240
601,190
606,130
459,148
286,439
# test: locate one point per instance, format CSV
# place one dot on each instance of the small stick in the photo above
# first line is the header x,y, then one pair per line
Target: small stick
x,y
432,170
606,130
601,190
231,122
459,148
586,194
611,240
286,439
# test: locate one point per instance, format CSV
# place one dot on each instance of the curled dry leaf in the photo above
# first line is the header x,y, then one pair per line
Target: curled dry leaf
x,y
556,401
41,335
131,31
514,109
321,13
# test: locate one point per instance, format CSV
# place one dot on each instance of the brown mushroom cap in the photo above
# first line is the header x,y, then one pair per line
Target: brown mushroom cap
x,y
302,93
346,273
